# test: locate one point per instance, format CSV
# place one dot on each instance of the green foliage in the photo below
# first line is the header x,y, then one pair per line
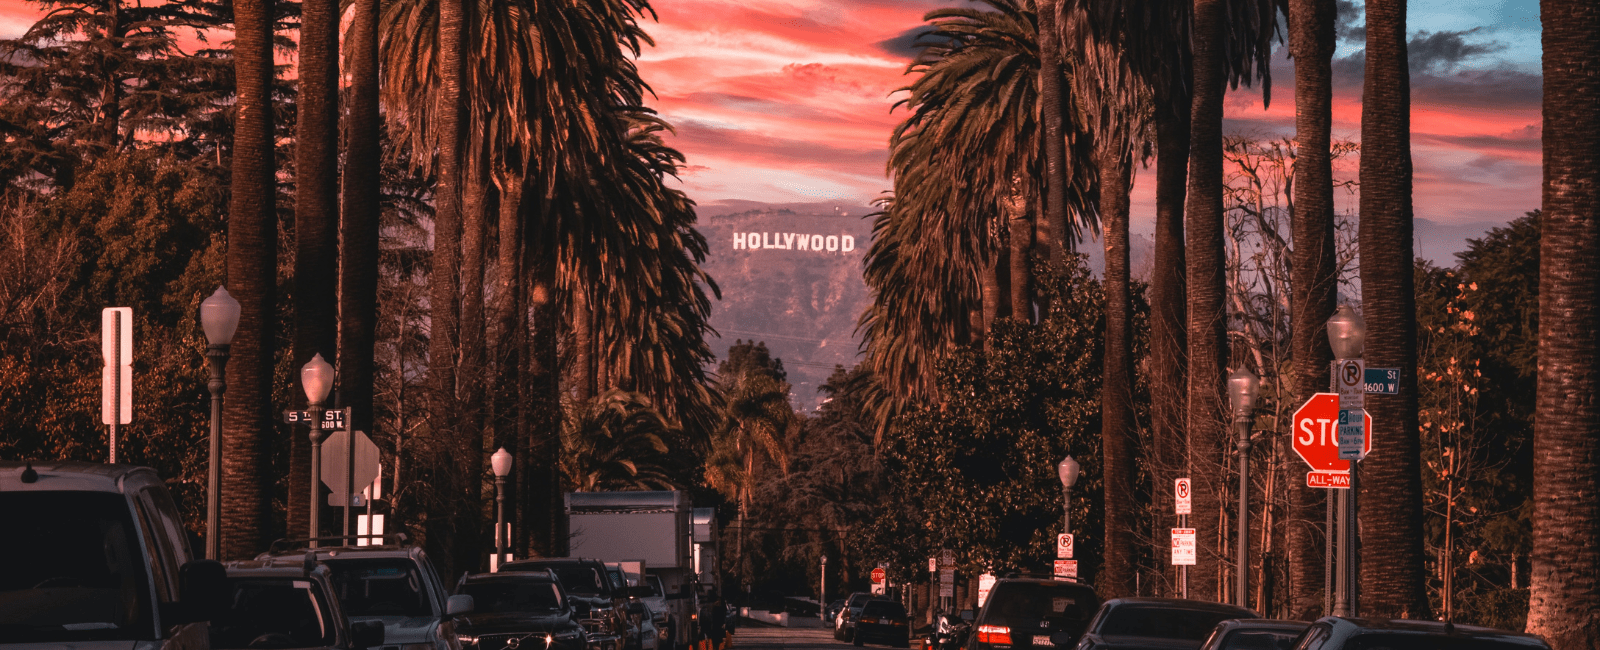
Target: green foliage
x,y
617,441
977,471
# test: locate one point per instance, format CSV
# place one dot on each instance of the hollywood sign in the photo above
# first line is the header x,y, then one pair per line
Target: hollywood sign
x,y
793,241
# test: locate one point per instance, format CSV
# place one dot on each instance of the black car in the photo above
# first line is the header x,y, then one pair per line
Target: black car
x,y
1338,633
287,605
845,625
527,610
1033,612
1255,634
831,612
1156,624
590,586
883,621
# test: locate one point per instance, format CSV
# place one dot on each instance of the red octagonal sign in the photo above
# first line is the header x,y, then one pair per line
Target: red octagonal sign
x,y
879,575
1316,434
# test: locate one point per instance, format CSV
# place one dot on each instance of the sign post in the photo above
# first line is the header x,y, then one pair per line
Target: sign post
x,y
1183,500
116,380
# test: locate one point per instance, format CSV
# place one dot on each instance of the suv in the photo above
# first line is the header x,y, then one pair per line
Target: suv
x,y
1157,623
275,604
1030,612
516,609
393,584
1339,633
590,585
844,627
96,555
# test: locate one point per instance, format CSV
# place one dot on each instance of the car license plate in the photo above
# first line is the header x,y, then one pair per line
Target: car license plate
x,y
1043,640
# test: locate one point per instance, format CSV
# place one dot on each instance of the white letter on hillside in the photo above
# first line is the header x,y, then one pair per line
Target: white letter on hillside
x,y
805,242
848,243
832,243
738,240
788,240
816,242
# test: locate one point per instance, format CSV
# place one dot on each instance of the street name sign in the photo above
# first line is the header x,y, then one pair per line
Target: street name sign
x,y
331,419
1183,494
1063,547
1382,381
1315,437
1183,547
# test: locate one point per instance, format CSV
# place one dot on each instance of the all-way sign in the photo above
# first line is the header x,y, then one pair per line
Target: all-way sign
x,y
1316,440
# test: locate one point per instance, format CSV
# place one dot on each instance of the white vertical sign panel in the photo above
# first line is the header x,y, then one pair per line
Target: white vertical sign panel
x,y
116,394
116,327
1183,547
1183,493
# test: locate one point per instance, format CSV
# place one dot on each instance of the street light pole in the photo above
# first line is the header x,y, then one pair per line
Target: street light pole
x,y
1347,335
822,591
219,317
500,462
1243,386
316,377
1067,470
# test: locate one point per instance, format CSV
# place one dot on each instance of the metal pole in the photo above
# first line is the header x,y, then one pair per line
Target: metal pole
x,y
500,521
218,356
1242,579
1354,554
116,380
1066,519
1329,585
1183,569
822,590
316,472
349,466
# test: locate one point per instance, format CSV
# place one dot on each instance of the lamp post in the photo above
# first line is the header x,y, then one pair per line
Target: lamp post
x,y
219,317
1347,335
1067,470
501,463
822,591
1243,386
316,377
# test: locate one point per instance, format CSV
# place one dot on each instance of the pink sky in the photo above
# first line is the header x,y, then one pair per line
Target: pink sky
x,y
789,100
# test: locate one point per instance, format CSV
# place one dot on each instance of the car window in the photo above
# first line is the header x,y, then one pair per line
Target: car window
x,y
1259,640
1162,622
71,569
858,599
511,596
267,614
656,590
580,579
1030,602
1391,641
1314,637
883,608
380,587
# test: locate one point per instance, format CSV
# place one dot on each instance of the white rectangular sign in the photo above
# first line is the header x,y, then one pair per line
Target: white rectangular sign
x,y
985,584
1067,569
1063,547
933,564
1183,547
1351,432
116,331
1183,493
1349,375
116,394
947,590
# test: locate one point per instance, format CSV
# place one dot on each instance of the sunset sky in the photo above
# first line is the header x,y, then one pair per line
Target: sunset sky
x,y
789,100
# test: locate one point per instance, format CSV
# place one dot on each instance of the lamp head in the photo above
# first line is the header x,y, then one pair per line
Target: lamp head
x,y
317,379
1347,333
1067,469
501,462
1243,387
219,317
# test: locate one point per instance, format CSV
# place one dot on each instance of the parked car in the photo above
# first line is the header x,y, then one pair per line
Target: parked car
x,y
97,554
273,604
1338,633
830,613
883,621
1033,612
523,609
660,611
845,626
1156,624
1255,634
950,631
590,581
393,583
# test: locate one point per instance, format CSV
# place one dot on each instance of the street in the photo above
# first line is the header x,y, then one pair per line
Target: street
x,y
765,638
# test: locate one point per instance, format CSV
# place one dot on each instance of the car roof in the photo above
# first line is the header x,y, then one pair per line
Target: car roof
x,y
1044,581
1181,603
74,476
1436,628
273,568
1264,624
335,553
542,562
509,576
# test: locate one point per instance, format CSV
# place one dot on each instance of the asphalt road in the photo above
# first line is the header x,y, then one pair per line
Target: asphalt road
x,y
773,638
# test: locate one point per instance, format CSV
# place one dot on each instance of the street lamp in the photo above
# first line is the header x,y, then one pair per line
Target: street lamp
x,y
1347,335
316,377
501,463
1067,469
822,596
219,317
1243,386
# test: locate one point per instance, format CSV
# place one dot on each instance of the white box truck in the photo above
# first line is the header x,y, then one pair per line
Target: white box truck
x,y
642,530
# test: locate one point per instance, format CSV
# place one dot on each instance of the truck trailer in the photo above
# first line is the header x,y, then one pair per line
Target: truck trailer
x,y
651,535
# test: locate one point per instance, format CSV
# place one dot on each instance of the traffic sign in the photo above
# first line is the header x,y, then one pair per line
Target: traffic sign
x,y
1315,428
879,575
933,564
985,585
116,335
1067,569
334,463
1335,480
116,394
332,419
1184,494
1382,381
947,558
947,576
1352,433
1350,377
1183,547
116,379
1064,546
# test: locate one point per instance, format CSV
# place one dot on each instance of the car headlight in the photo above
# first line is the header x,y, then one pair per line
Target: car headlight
x,y
465,640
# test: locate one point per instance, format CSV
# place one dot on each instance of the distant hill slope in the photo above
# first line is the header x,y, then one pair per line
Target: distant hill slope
x,y
801,301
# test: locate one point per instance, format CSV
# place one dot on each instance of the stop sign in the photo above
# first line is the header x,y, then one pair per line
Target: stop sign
x,y
1316,433
879,575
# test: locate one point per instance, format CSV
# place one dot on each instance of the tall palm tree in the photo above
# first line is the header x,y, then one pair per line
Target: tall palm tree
x,y
252,279
616,441
1563,592
358,270
1056,178
1393,572
316,221
1313,268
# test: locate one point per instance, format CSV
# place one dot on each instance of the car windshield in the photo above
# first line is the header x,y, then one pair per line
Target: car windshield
x,y
1030,602
581,580
513,596
380,587
267,614
71,569
1162,622
656,590
1389,641
883,608
1260,640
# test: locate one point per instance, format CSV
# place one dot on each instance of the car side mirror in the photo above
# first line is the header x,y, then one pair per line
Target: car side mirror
x,y
366,634
458,604
202,590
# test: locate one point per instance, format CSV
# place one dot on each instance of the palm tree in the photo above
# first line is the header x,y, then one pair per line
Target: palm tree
x,y
1057,178
1313,266
755,427
1393,575
1563,600
359,235
252,279
616,441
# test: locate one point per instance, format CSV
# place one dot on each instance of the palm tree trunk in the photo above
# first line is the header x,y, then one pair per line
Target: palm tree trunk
x,y
1208,345
252,279
1168,318
583,344
1313,272
470,377
1020,238
1393,577
510,309
316,227
358,270
1117,574
1564,584
445,293
1055,138
545,521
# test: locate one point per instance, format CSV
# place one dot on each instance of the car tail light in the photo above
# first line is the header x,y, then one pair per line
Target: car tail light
x,y
899,623
997,634
869,620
